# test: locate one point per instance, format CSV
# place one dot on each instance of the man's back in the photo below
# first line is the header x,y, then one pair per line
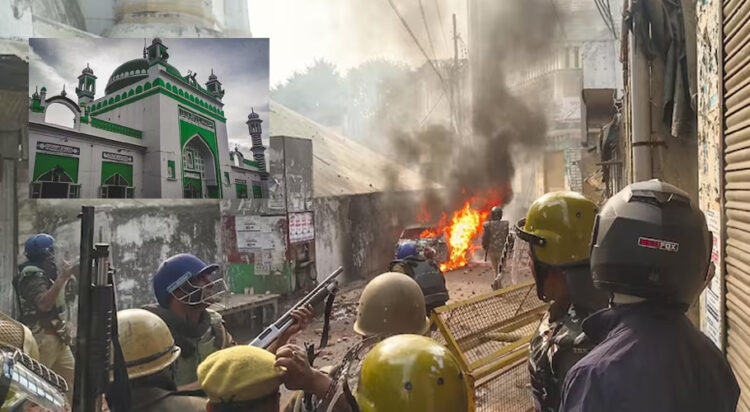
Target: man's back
x,y
651,358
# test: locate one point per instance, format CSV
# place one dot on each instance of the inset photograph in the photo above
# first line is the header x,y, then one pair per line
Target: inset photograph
x,y
148,118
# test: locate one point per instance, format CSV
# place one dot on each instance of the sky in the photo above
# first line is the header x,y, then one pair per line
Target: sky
x,y
241,65
350,32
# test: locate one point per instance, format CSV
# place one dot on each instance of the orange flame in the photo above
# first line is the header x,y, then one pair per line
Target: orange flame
x,y
465,226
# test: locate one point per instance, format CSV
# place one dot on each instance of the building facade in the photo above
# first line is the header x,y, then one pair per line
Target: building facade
x,y
154,134
574,82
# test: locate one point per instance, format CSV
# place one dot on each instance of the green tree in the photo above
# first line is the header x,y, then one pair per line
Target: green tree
x,y
318,93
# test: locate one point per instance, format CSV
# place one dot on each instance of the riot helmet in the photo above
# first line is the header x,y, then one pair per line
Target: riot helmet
x,y
652,242
496,213
558,229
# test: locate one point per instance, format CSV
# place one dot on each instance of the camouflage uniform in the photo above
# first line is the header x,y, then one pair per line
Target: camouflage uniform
x,y
50,329
557,345
347,370
493,241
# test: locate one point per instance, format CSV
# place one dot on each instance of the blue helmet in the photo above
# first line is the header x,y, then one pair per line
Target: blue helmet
x,y
176,273
405,250
39,247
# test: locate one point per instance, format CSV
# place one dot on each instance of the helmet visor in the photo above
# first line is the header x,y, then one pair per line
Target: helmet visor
x,y
204,287
538,269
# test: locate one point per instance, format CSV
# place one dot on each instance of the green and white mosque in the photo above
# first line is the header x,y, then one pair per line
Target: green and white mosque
x,y
154,134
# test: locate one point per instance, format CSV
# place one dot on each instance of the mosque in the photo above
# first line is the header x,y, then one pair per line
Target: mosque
x,y
155,133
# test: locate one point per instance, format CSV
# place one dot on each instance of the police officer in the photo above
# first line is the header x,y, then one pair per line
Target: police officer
x,y
240,379
423,270
558,230
494,236
651,252
410,373
150,354
17,335
390,304
40,292
46,393
185,287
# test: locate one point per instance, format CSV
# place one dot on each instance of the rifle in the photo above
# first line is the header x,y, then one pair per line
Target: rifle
x,y
317,295
97,329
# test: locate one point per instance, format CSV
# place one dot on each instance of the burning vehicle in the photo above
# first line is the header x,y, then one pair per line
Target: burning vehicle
x,y
425,236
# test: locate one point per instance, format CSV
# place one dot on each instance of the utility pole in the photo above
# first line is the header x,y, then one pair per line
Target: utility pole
x,y
455,90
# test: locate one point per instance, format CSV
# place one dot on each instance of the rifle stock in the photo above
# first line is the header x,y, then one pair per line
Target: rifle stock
x,y
314,297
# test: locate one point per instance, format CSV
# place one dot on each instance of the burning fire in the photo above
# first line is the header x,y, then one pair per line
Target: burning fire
x,y
464,227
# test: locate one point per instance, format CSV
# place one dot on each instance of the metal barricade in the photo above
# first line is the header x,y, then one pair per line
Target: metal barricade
x,y
489,334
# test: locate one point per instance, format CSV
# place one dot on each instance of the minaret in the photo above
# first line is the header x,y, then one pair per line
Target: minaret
x,y
213,85
157,51
253,124
36,102
86,86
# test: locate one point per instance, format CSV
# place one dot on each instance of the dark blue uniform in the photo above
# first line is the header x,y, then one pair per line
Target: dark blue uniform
x,y
650,358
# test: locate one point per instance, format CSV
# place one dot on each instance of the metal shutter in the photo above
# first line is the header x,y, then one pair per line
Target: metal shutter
x,y
736,28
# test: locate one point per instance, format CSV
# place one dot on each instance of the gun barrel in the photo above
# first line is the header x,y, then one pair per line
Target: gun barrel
x,y
317,295
307,300
82,400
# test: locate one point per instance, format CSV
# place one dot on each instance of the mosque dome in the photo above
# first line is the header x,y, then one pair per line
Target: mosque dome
x,y
126,74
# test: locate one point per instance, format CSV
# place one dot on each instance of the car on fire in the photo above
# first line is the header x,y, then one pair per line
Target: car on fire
x,y
422,236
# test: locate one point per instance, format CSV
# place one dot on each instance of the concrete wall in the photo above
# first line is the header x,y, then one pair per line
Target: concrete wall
x,y
710,157
9,155
359,232
141,235
290,164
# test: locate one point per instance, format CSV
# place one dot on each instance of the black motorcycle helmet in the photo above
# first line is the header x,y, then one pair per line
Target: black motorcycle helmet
x,y
496,213
650,241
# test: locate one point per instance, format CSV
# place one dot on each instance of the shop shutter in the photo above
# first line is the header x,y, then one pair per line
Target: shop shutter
x,y
736,34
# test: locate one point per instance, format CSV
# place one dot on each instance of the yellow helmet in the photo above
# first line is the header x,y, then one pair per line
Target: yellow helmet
x,y
390,304
558,227
147,344
17,335
411,373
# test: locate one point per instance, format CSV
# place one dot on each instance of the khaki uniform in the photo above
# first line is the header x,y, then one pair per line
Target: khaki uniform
x,y
50,329
150,399
196,341
348,369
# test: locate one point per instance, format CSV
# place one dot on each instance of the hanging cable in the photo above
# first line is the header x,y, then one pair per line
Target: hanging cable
x,y
424,53
442,27
427,30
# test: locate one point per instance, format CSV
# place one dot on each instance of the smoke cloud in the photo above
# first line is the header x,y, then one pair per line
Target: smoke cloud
x,y
509,35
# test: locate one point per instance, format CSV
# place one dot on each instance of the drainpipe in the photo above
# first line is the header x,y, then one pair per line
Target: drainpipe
x,y
640,102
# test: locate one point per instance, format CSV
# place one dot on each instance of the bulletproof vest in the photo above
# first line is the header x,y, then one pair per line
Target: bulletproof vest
x,y
29,314
498,230
197,341
427,275
556,346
